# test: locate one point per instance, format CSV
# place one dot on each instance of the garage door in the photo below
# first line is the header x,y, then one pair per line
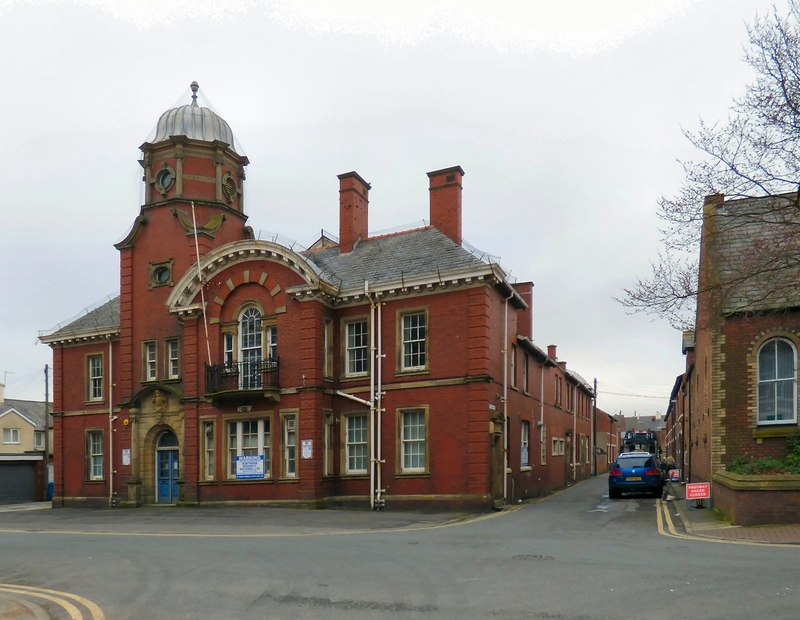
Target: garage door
x,y
17,482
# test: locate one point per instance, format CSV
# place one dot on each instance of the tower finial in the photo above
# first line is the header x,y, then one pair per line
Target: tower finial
x,y
195,87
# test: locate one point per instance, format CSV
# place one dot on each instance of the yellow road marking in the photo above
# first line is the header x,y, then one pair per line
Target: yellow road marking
x,y
73,612
57,597
663,515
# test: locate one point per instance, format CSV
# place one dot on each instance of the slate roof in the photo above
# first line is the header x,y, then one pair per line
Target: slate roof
x,y
401,256
102,319
34,410
404,256
757,250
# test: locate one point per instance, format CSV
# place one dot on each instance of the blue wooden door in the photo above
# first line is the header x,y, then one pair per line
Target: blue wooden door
x,y
167,476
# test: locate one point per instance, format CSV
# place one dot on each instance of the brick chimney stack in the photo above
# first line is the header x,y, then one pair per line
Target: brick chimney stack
x,y
551,352
525,316
445,188
353,210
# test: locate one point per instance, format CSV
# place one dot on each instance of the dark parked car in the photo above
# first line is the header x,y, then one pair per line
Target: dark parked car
x,y
635,472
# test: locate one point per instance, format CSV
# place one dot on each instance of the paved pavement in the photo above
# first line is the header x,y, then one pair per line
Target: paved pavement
x,y
708,523
241,521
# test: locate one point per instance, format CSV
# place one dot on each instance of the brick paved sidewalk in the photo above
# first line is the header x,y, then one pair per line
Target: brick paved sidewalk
x,y
708,523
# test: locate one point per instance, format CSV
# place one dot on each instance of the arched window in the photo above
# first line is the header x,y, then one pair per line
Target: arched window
x,y
777,382
250,348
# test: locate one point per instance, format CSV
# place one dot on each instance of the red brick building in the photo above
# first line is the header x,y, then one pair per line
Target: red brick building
x,y
393,369
607,441
738,395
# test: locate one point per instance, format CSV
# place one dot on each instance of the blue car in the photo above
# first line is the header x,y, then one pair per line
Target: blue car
x,y
635,472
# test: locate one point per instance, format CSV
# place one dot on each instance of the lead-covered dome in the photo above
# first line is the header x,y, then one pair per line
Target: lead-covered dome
x,y
195,122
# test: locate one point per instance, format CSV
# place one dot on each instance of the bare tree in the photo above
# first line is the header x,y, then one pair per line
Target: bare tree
x,y
755,154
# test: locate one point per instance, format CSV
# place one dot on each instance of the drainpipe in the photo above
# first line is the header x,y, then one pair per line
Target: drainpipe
x,y
682,445
687,477
47,431
594,430
541,411
111,419
379,409
505,398
371,397
574,432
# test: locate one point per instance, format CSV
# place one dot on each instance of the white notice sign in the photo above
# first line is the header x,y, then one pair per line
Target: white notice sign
x,y
249,466
126,456
306,448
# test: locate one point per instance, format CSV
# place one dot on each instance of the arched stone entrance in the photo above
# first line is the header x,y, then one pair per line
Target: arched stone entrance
x,y
157,441
167,468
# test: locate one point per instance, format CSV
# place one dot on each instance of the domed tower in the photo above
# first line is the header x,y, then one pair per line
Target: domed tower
x,y
193,203
192,156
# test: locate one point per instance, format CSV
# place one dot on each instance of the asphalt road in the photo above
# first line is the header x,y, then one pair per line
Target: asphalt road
x,y
577,555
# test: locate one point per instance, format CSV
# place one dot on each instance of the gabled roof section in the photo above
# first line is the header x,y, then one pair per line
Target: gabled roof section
x,y
30,410
755,253
100,322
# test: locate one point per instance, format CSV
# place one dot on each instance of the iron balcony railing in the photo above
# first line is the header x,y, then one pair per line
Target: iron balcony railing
x,y
243,376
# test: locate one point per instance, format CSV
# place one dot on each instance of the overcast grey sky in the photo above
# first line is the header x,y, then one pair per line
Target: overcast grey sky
x,y
565,115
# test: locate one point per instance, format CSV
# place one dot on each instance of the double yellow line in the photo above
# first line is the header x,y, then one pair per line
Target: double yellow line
x,y
63,599
666,527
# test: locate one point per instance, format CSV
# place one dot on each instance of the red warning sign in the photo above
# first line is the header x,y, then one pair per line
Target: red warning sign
x,y
698,490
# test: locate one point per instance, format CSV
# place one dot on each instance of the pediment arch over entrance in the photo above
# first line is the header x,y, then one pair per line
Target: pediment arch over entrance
x,y
185,296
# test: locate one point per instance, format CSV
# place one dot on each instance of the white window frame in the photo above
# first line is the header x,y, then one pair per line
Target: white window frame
x,y
207,437
94,377
289,444
414,340
150,360
251,347
271,333
357,444
356,344
172,353
11,436
525,444
95,457
413,440
236,441
38,440
775,383
229,349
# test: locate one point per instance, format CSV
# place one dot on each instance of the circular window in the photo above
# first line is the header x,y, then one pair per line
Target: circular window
x,y
160,275
229,186
164,179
